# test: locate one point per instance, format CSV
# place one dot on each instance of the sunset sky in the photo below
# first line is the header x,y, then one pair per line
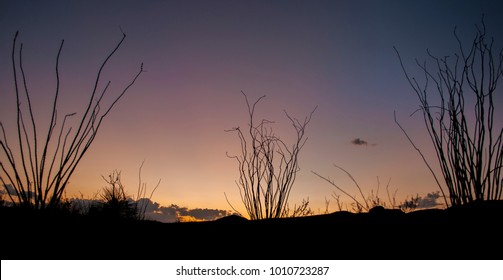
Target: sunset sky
x,y
199,55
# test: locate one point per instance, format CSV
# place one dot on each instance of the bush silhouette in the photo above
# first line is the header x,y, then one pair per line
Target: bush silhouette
x,y
116,203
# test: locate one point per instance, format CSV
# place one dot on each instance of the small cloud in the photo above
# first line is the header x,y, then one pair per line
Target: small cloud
x,y
430,201
419,202
147,205
9,189
359,142
184,219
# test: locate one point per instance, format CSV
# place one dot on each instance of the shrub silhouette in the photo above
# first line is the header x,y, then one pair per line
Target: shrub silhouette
x,y
36,171
468,144
117,203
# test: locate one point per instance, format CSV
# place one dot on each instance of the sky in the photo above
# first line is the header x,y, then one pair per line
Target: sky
x,y
198,56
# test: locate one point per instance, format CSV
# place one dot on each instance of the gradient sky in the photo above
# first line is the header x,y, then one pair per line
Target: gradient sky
x,y
198,57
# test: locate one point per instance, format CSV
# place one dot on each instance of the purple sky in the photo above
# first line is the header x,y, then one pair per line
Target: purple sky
x,y
199,55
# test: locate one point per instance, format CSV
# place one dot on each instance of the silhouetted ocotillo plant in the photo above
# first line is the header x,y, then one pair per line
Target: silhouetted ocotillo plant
x,y
141,200
39,166
468,144
267,165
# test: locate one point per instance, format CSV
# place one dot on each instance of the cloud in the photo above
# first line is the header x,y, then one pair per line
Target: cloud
x,y
148,205
175,213
9,189
359,142
184,219
419,202
430,200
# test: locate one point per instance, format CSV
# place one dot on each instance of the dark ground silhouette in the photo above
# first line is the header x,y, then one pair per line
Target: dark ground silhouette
x,y
468,232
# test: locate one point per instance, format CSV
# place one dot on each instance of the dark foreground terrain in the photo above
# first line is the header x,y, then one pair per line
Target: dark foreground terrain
x,y
469,232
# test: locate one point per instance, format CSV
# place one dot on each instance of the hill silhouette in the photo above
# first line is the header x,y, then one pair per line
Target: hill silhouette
x,y
470,232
